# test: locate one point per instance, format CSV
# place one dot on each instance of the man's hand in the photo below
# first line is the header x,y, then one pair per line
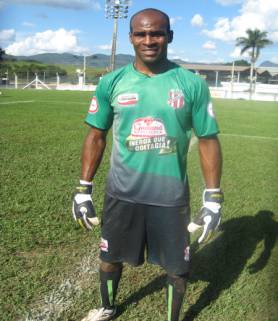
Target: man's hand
x,y
82,206
209,216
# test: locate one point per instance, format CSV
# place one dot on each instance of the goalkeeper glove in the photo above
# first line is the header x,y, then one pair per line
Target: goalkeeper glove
x,y
209,216
82,206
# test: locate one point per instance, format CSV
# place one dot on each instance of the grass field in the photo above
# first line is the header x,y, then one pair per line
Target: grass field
x,y
49,265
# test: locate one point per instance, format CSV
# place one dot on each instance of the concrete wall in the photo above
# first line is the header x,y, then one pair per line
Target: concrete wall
x,y
263,92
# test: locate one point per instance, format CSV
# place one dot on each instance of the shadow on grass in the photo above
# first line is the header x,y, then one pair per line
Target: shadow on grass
x,y
221,261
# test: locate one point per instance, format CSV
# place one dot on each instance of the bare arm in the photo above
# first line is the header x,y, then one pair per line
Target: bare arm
x,y
211,161
93,149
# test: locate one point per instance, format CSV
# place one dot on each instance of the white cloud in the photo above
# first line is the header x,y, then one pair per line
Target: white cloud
x,y
105,47
67,4
173,20
7,35
209,45
171,51
58,41
197,20
261,14
228,2
28,24
274,59
236,54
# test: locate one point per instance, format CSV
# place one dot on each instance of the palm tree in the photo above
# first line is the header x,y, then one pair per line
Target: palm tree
x,y
255,41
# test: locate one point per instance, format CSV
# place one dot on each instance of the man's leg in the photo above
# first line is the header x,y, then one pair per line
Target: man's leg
x,y
176,286
110,275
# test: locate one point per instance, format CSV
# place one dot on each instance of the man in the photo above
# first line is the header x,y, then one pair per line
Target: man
x,y
153,105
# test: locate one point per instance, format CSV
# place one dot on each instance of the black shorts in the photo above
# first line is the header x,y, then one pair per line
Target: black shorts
x,y
128,229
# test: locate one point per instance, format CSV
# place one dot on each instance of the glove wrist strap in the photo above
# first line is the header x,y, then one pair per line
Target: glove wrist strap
x,y
84,189
213,195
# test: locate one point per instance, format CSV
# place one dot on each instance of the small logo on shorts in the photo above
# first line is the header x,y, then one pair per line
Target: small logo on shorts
x,y
187,254
103,245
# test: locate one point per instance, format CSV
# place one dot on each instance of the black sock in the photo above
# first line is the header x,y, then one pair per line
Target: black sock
x,y
175,292
108,287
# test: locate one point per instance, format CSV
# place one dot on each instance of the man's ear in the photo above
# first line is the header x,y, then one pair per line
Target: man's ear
x,y
130,37
170,36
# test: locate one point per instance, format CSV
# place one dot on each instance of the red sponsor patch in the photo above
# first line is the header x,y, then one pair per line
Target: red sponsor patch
x,y
93,106
128,99
175,98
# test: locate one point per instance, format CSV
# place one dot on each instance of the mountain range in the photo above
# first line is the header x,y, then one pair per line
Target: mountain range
x,y
96,60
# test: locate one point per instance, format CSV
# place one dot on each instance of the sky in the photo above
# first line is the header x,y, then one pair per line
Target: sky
x,y
204,30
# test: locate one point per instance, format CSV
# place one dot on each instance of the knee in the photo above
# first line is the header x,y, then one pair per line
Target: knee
x,y
110,267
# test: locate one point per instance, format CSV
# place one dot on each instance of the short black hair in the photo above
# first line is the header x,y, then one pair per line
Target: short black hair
x,y
150,9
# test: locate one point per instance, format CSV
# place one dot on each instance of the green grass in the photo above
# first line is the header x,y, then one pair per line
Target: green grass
x,y
48,264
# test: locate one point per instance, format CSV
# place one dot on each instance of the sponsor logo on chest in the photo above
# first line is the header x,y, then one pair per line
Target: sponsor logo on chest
x,y
175,98
128,99
148,127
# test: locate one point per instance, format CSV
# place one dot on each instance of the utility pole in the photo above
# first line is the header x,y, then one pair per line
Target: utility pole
x,y
115,9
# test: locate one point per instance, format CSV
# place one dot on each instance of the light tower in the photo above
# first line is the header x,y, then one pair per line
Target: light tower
x,y
115,9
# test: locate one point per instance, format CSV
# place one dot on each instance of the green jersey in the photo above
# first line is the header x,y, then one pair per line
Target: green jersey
x,y
152,120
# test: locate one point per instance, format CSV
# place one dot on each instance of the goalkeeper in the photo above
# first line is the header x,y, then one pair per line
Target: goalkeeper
x,y
153,105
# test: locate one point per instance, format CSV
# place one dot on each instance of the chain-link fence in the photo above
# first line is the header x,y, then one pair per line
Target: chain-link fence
x,y
28,79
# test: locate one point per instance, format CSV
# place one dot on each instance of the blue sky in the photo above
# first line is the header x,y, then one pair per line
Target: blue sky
x,y
204,30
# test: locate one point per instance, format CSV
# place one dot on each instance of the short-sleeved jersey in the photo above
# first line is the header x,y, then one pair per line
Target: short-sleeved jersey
x,y
152,121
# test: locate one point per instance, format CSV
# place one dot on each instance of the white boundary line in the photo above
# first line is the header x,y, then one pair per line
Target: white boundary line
x,y
63,296
65,102
194,139
249,136
16,102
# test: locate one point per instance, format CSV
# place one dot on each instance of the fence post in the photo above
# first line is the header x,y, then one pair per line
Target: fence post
x,y
57,80
15,81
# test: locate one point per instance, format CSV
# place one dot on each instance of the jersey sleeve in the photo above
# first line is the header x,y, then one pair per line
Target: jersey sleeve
x,y
100,113
203,117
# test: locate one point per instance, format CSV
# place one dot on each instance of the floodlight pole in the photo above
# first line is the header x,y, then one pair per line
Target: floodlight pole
x,y
115,9
114,45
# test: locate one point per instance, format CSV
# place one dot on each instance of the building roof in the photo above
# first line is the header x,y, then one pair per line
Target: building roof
x,y
214,67
273,71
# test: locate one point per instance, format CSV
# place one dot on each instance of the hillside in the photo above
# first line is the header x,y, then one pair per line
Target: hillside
x,y
268,64
96,60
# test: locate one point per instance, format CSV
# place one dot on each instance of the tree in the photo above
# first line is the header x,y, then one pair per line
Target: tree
x,y
2,53
254,42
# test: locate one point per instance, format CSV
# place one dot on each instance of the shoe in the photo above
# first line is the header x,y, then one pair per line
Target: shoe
x,y
100,314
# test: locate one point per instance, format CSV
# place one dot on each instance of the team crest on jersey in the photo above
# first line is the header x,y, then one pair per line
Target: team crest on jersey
x,y
93,106
176,98
128,99
149,134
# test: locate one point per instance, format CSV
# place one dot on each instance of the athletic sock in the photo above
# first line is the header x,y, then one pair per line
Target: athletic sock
x,y
175,292
108,287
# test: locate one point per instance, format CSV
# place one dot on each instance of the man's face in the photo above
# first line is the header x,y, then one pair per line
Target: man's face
x,y
150,37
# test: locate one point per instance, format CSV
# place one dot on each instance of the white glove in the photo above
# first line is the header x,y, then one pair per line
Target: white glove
x,y
209,216
82,206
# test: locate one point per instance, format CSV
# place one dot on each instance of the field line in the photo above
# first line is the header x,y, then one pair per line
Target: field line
x,y
16,102
250,136
65,102
62,298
